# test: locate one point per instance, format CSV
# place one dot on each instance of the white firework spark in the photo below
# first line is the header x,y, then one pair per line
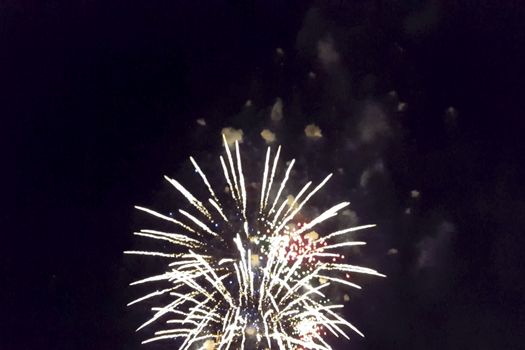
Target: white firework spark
x,y
249,280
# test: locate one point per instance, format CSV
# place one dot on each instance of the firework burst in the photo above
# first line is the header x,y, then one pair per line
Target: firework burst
x,y
249,275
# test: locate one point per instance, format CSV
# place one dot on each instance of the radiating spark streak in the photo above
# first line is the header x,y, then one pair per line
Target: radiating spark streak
x,y
138,252
195,332
346,323
352,268
164,217
281,207
301,283
228,180
182,322
241,179
265,323
246,229
204,179
189,280
338,245
201,308
171,235
275,160
181,242
308,345
164,276
164,310
216,282
219,210
198,223
150,295
325,255
265,176
222,261
232,167
289,274
283,184
243,332
262,287
242,266
268,286
240,281
193,201
339,280
321,319
342,232
171,336
324,216
305,296
250,271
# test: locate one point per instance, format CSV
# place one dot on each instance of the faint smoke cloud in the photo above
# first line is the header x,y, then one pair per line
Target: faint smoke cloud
x,y
392,251
232,135
373,125
268,136
402,106
313,132
433,250
377,168
326,52
451,117
425,19
277,110
351,216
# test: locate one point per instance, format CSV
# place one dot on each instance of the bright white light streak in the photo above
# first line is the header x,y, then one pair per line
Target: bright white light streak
x,y
324,216
187,194
164,217
265,176
232,167
342,232
283,184
241,179
198,223
204,179
228,181
275,160
219,209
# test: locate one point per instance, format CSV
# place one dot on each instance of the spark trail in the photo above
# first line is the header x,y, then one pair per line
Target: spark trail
x,y
245,275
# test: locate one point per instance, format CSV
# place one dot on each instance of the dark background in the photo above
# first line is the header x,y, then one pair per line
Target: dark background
x,y
99,99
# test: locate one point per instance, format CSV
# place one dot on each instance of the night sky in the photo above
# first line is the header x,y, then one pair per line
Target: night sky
x,y
420,104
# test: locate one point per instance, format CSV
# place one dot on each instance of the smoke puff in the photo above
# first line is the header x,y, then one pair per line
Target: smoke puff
x,y
373,125
377,168
277,110
326,52
312,131
351,216
268,136
432,250
232,135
